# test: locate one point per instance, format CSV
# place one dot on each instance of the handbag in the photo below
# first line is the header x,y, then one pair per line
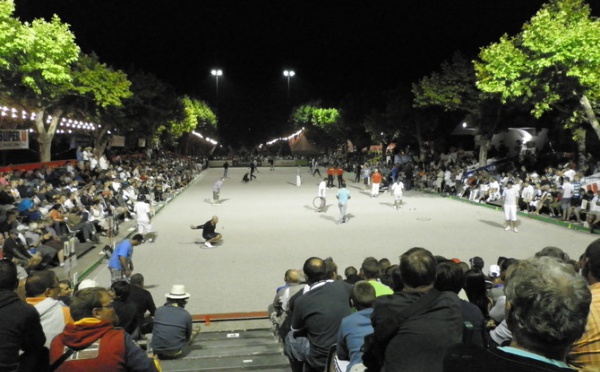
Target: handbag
x,y
374,350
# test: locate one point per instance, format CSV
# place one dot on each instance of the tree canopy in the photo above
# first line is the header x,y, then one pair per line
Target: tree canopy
x,y
553,63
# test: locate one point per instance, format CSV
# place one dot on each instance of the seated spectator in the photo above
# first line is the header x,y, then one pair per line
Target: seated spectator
x,y
172,330
11,222
450,277
370,273
144,303
22,334
96,343
58,219
476,290
126,311
585,352
316,316
351,275
45,243
65,291
356,326
420,342
42,291
278,310
14,249
560,300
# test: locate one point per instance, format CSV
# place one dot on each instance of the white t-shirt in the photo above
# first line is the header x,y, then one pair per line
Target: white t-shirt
x,y
397,188
142,211
510,195
322,189
567,190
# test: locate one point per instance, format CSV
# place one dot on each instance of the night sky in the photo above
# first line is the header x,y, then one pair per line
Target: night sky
x,y
335,47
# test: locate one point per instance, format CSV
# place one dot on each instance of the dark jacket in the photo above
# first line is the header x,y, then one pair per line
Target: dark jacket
x,y
20,329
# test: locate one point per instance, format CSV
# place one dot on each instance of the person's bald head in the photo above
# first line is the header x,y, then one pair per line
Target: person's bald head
x,y
315,270
214,219
292,276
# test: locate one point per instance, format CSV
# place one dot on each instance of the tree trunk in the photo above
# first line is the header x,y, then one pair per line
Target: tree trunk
x,y
102,140
484,144
591,116
580,134
45,135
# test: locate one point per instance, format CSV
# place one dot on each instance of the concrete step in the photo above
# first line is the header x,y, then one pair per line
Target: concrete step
x,y
255,349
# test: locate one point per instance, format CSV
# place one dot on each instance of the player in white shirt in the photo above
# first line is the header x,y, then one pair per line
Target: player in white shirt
x,y
511,196
396,191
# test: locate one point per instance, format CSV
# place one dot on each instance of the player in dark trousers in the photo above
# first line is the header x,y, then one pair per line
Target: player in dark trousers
x,y
208,232
330,174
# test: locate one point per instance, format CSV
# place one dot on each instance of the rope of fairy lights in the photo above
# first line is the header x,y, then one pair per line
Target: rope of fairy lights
x,y
281,139
66,125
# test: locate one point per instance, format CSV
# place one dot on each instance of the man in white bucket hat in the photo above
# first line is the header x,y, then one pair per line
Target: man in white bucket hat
x,y
172,330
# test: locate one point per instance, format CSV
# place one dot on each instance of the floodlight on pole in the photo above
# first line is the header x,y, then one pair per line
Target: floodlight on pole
x,y
288,74
216,73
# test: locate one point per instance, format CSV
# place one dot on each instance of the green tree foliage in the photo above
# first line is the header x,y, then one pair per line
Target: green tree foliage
x,y
322,124
454,89
44,71
553,63
197,116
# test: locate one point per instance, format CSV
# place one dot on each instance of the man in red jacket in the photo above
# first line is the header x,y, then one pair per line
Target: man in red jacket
x,y
93,343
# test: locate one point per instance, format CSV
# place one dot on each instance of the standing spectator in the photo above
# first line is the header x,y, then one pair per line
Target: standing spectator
x,y
20,328
560,300
208,231
357,172
94,333
567,194
356,326
143,301
340,176
593,215
510,196
343,195
121,260
42,289
375,182
585,352
172,329
216,189
420,342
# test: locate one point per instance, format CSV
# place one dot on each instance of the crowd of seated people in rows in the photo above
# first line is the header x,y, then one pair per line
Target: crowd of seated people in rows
x,y
42,209
430,313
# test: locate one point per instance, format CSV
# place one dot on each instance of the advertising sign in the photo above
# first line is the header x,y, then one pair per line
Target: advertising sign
x,y
14,139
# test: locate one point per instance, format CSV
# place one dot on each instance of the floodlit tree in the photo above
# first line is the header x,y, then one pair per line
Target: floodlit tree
x,y
43,70
553,63
454,89
324,123
196,115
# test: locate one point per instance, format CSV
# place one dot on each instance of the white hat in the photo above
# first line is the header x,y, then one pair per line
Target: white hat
x,y
178,292
494,271
87,283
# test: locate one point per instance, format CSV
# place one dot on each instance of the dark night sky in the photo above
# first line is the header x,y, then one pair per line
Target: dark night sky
x,y
335,47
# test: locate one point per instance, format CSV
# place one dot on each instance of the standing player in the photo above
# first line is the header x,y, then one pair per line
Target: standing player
x,y
208,232
322,193
142,214
375,182
396,192
330,174
121,260
216,189
343,195
340,175
510,195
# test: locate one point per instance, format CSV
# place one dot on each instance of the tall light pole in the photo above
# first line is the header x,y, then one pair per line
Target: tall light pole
x,y
216,73
288,74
